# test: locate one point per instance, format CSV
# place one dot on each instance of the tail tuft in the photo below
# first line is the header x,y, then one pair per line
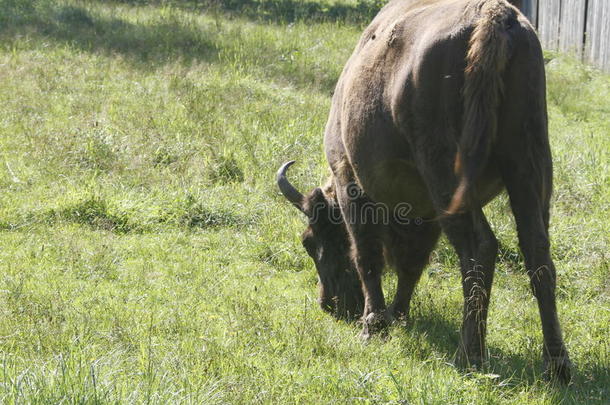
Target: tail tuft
x,y
486,60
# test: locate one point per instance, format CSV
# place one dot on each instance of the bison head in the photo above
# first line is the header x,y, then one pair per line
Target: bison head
x,y
326,241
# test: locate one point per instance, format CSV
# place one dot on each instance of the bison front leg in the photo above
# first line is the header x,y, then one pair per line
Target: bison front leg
x,y
409,251
365,231
368,257
477,248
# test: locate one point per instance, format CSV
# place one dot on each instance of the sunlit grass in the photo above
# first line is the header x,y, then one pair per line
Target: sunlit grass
x,y
147,257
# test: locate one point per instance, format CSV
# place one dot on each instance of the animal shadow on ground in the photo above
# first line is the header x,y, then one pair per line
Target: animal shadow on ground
x,y
443,335
590,380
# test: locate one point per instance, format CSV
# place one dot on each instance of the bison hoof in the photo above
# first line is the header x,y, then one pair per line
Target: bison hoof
x,y
375,323
469,361
399,315
558,369
470,357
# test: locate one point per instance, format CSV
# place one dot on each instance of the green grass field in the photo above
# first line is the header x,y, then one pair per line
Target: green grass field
x,y
146,256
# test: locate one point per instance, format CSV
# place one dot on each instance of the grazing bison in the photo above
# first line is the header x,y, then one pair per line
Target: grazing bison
x,y
441,107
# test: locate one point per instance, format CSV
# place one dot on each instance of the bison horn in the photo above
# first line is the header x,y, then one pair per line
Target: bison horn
x,y
288,190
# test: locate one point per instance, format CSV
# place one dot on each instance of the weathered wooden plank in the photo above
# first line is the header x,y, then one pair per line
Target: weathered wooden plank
x,y
605,43
534,12
597,44
592,29
580,27
604,57
530,9
549,17
572,26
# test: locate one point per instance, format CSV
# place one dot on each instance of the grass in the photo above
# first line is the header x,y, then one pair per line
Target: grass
x,y
147,257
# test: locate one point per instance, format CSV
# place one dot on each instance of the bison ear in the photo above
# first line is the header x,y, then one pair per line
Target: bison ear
x,y
315,204
318,198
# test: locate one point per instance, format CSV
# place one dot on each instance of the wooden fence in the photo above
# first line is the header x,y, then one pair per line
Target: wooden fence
x,y
580,27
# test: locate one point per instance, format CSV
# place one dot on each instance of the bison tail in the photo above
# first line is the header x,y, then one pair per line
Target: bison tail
x,y
482,92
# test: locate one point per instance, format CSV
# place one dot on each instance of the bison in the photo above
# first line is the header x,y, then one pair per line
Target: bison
x,y
441,107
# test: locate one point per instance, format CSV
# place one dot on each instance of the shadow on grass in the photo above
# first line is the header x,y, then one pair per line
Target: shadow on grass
x,y
146,45
98,214
444,336
284,11
590,381
168,39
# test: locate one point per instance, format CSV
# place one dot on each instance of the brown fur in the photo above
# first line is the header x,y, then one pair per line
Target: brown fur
x,y
486,59
440,107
